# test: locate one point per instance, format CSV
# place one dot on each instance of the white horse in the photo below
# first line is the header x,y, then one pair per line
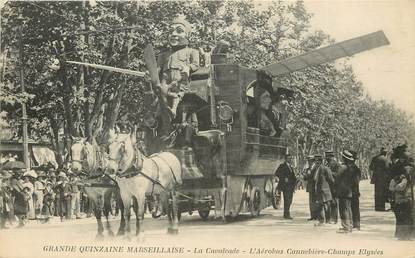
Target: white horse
x,y
138,176
98,186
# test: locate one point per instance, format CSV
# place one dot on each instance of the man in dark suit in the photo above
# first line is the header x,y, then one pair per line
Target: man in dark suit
x,y
286,183
308,176
380,175
344,190
334,204
323,180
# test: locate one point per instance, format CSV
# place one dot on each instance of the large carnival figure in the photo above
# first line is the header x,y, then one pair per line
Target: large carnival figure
x,y
177,63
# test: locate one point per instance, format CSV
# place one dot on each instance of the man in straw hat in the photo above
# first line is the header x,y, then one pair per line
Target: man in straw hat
x,y
177,63
344,190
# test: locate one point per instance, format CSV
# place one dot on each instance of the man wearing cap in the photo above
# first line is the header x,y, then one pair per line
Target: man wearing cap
x,y
323,180
308,176
334,167
177,63
380,175
286,183
344,190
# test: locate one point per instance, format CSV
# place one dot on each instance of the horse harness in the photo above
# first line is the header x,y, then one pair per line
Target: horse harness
x,y
132,172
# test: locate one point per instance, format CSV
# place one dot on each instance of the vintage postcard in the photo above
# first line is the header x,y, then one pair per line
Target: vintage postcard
x,y
207,128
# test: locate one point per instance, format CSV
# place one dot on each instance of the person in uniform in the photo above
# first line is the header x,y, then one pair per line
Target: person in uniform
x,y
308,176
177,63
332,163
323,181
380,174
344,191
286,183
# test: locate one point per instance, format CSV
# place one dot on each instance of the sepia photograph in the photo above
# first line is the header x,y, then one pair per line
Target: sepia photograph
x,y
198,128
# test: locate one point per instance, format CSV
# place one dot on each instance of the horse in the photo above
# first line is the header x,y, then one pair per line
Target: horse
x,y
98,186
139,176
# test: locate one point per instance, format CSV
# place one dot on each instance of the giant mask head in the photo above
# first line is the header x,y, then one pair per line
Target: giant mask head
x,y
179,30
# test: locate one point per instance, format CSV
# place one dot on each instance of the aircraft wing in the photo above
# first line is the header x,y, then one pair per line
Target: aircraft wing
x,y
327,54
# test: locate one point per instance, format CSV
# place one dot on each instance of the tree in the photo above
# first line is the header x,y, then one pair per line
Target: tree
x,y
330,109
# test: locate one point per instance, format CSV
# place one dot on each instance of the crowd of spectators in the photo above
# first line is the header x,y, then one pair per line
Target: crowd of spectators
x,y
41,195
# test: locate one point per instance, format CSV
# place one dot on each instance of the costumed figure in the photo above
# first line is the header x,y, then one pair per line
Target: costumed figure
x,y
177,63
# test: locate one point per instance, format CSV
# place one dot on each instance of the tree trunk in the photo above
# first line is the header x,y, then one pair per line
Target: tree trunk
x,y
54,126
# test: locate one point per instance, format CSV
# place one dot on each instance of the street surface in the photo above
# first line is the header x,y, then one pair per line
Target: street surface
x,y
269,235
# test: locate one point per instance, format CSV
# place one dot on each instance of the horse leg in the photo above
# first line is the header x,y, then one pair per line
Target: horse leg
x,y
127,214
139,209
107,209
173,211
97,212
121,229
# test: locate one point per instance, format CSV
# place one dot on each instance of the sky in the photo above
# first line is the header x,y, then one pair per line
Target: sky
x,y
387,72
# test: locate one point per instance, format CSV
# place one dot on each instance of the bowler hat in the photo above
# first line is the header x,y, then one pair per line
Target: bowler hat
x,y
318,156
347,155
310,157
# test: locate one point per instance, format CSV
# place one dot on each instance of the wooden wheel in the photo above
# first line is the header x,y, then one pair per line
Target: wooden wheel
x,y
255,201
